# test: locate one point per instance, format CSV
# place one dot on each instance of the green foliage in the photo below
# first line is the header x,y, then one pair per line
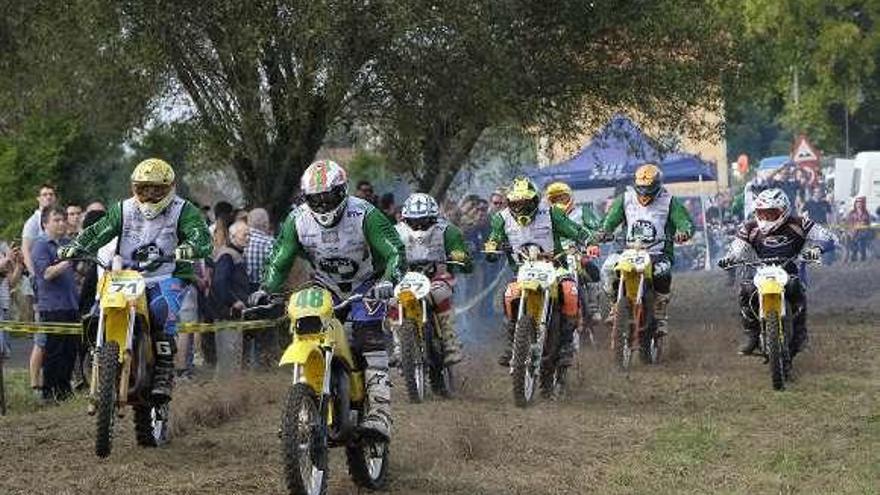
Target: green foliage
x,y
810,59
27,159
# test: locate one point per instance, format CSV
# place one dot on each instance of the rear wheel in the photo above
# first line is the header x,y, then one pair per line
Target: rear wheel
x,y
525,373
108,372
304,455
412,364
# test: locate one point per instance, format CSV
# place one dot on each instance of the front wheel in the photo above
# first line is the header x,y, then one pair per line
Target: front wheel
x,y
620,332
412,365
105,406
776,349
651,344
304,454
524,370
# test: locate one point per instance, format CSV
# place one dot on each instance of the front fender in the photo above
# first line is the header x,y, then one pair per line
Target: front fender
x,y
310,358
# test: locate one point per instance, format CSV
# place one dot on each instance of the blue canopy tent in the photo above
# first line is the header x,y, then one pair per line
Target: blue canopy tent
x,y
613,156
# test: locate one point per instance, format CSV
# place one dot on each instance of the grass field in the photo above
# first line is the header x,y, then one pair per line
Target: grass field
x,y
705,421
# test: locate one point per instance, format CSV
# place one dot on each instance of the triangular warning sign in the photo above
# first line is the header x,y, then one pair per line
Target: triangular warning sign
x,y
804,152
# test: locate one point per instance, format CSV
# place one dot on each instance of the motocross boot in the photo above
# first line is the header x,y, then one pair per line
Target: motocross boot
x,y
163,369
565,354
451,344
507,353
377,417
593,289
661,312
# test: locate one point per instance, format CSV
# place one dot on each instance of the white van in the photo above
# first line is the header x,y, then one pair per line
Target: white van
x,y
858,177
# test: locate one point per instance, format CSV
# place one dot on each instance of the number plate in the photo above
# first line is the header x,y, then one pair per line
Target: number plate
x,y
541,271
414,282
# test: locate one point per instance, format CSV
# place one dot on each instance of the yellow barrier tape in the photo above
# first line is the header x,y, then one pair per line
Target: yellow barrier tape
x,y
59,328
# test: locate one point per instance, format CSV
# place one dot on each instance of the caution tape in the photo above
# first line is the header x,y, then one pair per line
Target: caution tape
x,y
59,328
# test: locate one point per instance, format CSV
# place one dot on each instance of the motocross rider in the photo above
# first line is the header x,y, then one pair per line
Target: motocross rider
x,y
352,247
528,220
648,212
430,238
154,222
559,194
776,233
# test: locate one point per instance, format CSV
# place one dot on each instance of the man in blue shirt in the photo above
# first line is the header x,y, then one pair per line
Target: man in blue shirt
x,y
57,301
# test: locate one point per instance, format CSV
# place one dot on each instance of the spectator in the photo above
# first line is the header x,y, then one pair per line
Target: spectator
x,y
96,206
74,220
224,215
88,287
230,290
57,301
11,268
859,223
33,228
497,201
364,191
240,215
259,245
259,345
386,204
817,208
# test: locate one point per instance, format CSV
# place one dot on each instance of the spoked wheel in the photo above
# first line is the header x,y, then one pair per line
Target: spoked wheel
x,y
412,363
368,462
776,349
304,452
525,371
651,345
151,424
105,405
620,332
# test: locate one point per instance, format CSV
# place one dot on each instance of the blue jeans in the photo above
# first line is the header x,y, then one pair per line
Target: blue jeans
x,y
165,299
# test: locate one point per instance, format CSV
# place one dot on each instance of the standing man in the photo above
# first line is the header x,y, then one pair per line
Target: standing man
x,y
259,246
74,220
33,227
33,230
57,301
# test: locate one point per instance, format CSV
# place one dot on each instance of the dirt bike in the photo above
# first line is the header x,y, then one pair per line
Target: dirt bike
x,y
538,321
774,313
633,325
327,399
123,357
421,345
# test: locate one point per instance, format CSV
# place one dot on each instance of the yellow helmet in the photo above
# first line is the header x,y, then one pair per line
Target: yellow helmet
x,y
648,182
523,200
559,194
152,183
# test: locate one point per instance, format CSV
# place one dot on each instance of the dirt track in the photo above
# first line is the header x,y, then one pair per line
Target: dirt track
x,y
705,421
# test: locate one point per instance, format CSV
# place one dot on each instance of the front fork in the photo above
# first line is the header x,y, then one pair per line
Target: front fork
x,y
320,438
125,365
537,348
637,306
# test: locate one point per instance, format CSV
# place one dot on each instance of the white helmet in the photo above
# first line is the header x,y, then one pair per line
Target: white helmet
x,y
772,210
420,211
325,187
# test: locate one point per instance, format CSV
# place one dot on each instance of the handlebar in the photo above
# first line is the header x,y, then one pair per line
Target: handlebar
x,y
139,266
777,261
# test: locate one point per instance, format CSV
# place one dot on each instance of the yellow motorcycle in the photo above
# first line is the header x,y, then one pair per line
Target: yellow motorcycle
x,y
775,314
123,358
633,325
327,397
538,320
421,345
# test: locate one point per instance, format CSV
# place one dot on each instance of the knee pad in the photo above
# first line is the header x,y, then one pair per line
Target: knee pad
x,y
511,295
368,337
569,300
441,296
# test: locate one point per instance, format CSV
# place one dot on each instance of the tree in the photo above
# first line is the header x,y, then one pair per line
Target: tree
x,y
267,77
458,68
811,58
